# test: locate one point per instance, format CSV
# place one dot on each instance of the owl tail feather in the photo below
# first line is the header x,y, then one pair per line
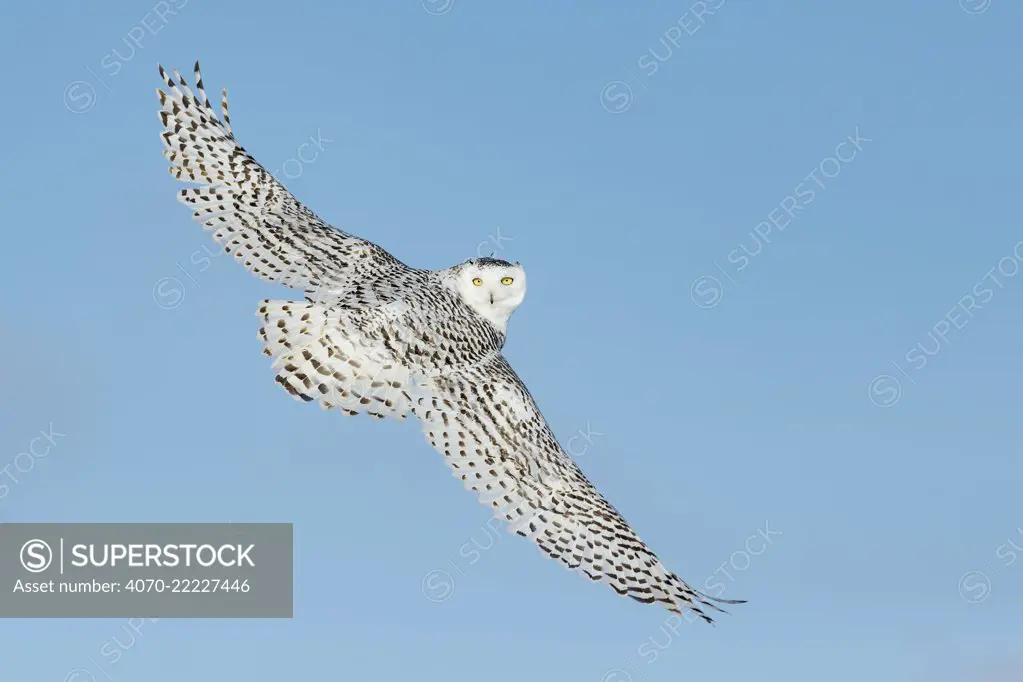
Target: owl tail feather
x,y
320,355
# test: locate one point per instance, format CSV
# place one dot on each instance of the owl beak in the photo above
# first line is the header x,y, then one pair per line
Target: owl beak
x,y
491,298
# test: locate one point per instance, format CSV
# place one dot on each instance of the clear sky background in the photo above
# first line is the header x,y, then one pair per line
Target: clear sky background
x,y
788,395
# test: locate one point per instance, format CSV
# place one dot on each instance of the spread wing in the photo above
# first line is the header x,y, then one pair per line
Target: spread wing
x,y
250,213
485,423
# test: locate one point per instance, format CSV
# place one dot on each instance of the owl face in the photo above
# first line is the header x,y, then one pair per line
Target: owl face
x,y
493,288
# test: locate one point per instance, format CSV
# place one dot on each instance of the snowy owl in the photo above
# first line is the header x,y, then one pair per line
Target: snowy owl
x,y
374,336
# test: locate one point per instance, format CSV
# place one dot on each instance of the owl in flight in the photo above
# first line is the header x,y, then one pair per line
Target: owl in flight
x,y
372,335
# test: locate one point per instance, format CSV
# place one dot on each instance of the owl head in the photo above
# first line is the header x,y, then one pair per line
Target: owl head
x,y
493,288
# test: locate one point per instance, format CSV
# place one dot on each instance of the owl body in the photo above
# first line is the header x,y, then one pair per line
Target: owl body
x,y
373,344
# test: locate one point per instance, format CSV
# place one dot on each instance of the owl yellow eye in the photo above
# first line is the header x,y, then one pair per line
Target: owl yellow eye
x,y
476,281
506,280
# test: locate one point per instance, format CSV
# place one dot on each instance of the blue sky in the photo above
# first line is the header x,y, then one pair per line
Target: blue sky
x,y
837,373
